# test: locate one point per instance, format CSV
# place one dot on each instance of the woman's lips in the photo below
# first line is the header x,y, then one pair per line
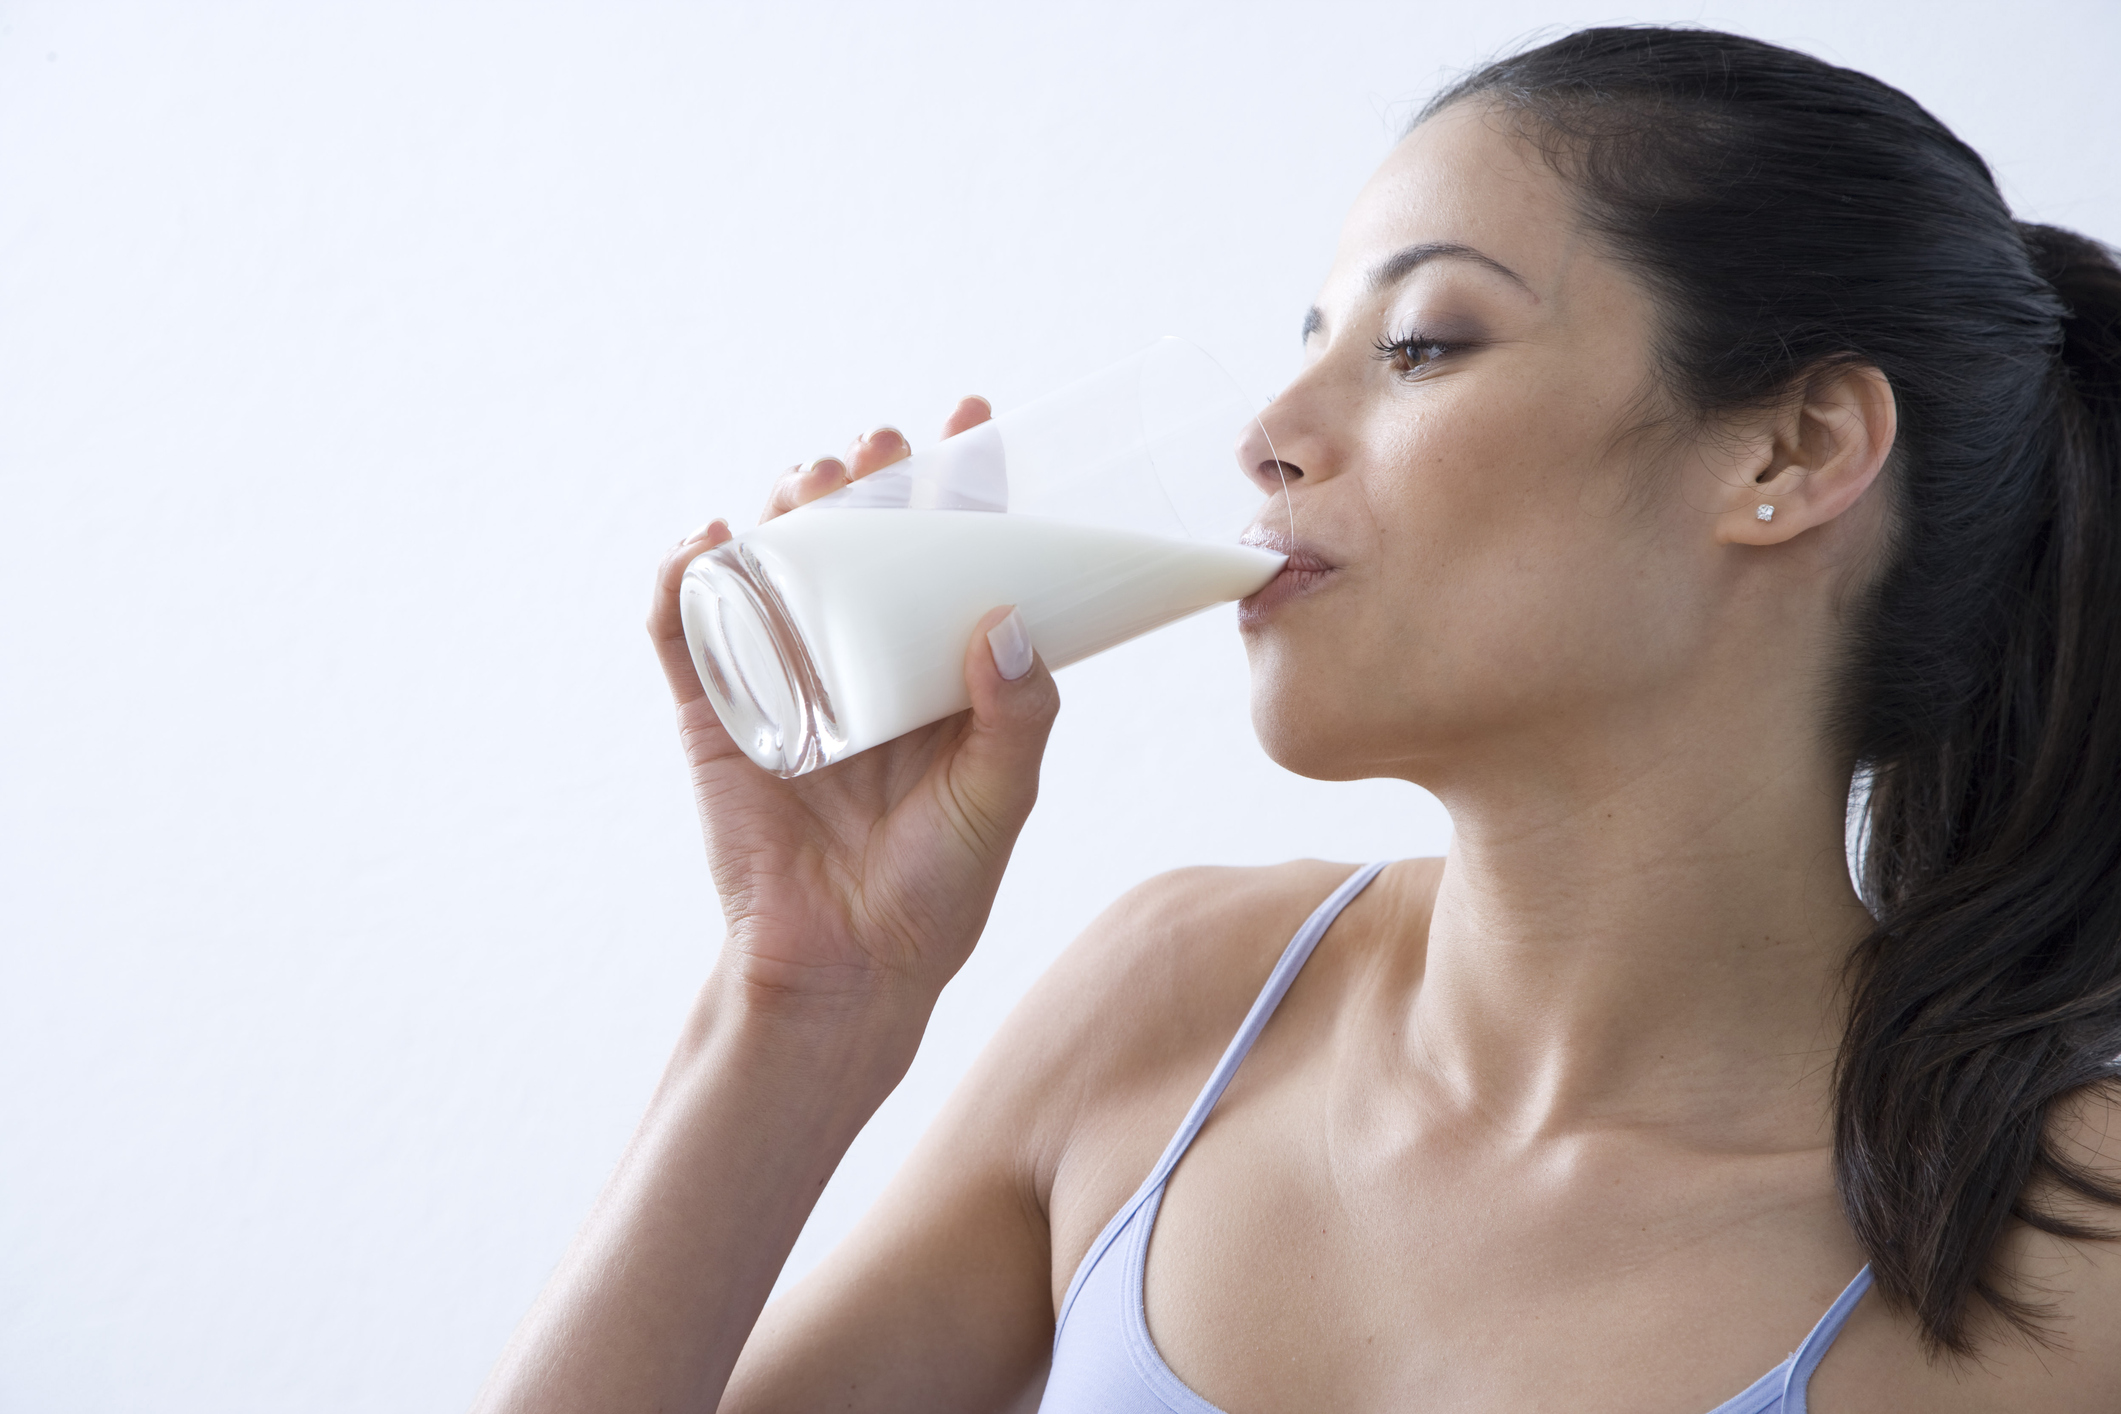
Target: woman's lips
x,y
1305,571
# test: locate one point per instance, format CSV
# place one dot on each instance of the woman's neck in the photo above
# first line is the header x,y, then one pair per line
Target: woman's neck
x,y
1659,939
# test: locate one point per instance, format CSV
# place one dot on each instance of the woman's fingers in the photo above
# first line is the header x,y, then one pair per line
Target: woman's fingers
x,y
665,629
873,451
969,412
800,484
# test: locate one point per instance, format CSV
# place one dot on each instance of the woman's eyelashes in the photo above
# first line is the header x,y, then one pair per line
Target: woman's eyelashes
x,y
1412,354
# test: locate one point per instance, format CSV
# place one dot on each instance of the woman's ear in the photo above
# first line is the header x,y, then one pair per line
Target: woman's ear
x,y
1812,460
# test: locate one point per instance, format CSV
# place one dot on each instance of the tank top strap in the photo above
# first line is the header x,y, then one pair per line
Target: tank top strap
x,y
1292,960
1807,1356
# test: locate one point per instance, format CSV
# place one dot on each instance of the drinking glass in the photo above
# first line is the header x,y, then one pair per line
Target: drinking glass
x,y
1101,511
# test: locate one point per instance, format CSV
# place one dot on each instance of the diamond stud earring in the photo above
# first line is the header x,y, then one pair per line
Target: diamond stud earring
x,y
1764,513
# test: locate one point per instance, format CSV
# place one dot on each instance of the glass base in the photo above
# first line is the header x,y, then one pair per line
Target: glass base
x,y
758,672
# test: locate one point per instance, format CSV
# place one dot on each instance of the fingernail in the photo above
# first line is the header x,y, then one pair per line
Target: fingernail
x,y
708,529
817,462
887,427
1011,646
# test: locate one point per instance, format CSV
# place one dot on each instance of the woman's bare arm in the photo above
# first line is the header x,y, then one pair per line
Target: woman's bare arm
x,y
659,1292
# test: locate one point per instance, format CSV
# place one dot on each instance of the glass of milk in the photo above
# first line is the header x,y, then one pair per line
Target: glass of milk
x,y
1101,511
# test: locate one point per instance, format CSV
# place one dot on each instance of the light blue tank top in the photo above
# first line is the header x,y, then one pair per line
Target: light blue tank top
x,y
1103,1359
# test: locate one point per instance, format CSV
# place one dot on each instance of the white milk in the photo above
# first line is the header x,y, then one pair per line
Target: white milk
x,y
884,603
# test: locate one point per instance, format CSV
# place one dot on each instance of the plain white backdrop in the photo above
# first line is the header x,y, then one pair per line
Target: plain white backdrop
x,y
357,364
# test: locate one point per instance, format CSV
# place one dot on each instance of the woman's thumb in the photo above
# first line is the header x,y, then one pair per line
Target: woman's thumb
x,y
1009,644
1014,701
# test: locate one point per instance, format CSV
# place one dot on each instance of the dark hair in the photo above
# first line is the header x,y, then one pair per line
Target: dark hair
x,y
1788,217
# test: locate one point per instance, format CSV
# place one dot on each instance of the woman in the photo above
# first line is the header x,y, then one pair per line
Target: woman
x,y
1684,424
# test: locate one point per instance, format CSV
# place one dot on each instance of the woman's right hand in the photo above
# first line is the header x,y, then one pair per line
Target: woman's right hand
x,y
870,879
852,894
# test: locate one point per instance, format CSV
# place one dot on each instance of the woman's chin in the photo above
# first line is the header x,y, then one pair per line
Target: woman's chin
x,y
1302,741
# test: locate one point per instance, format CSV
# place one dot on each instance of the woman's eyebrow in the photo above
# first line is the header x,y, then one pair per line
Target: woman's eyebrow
x,y
1402,262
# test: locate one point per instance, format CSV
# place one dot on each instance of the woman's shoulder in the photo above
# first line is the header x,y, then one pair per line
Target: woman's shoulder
x,y
1108,1048
1205,914
1087,1078
1175,962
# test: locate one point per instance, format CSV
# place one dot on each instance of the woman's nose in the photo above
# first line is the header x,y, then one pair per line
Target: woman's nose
x,y
1256,454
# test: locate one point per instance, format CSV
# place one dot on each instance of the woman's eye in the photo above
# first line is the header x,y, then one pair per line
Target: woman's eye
x,y
1413,353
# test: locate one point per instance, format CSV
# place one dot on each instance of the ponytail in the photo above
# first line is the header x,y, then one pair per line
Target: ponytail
x,y
1991,990
1787,216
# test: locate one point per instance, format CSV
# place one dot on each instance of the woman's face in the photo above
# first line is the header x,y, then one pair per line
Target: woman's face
x,y
1506,565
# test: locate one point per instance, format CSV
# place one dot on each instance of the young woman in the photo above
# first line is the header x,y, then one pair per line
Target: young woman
x,y
1685,425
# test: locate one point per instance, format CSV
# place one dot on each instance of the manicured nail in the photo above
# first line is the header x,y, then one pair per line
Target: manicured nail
x,y
1011,646
893,431
836,463
706,530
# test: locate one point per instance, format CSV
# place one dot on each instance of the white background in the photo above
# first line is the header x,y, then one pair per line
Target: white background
x,y
358,362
